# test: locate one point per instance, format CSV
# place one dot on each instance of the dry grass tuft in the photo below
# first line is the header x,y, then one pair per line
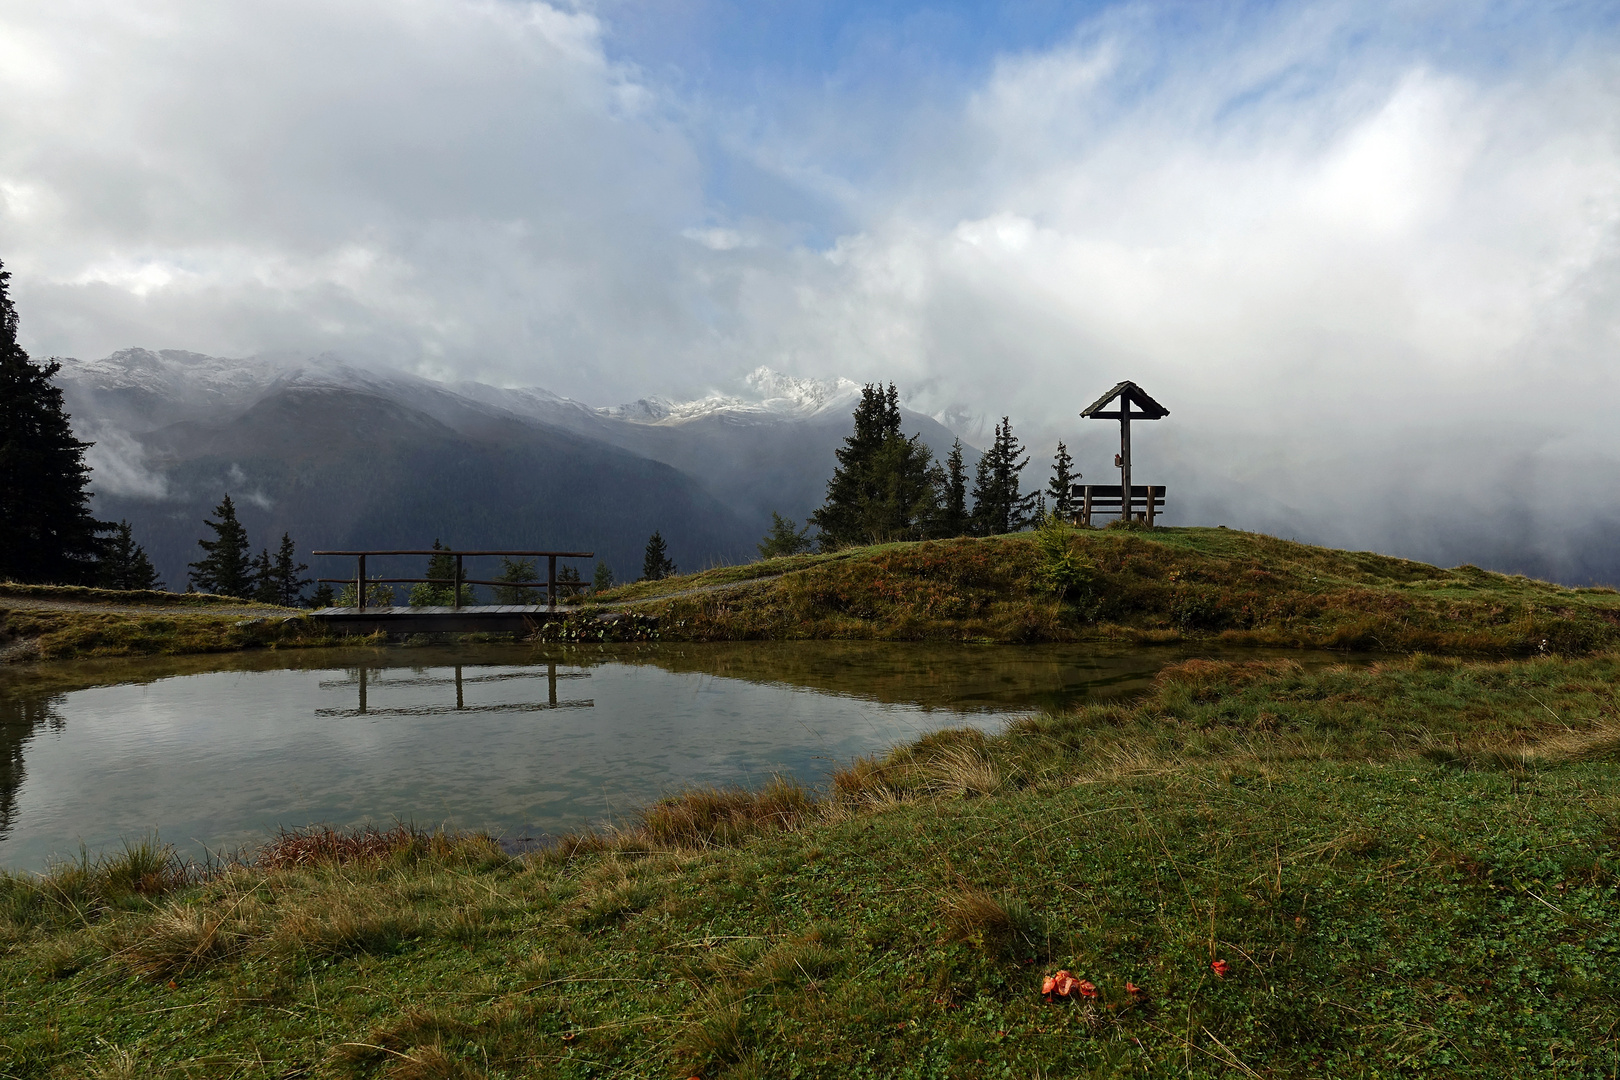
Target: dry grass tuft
x,y
430,1063
324,844
1601,743
357,921
179,939
718,817
119,1065
1007,928
962,770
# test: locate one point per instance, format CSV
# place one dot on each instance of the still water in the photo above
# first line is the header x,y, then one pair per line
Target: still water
x,y
215,753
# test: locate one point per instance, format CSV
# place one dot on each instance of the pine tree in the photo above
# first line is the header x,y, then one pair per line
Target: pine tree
x,y
885,486
124,564
46,531
441,593
656,564
322,596
854,487
784,538
1060,497
602,579
264,579
515,570
287,588
953,519
997,505
226,567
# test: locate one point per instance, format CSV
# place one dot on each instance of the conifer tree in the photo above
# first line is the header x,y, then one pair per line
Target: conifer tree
x,y
602,579
953,519
1060,497
784,538
322,596
46,531
124,563
515,570
442,593
853,486
885,486
226,567
655,563
263,574
997,505
286,587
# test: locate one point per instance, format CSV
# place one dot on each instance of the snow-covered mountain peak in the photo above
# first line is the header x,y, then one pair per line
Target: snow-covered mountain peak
x,y
784,393
173,374
770,394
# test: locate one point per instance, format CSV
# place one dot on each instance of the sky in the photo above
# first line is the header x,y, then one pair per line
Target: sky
x,y
1364,251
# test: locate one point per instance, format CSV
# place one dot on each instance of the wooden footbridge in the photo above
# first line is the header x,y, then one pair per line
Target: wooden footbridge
x,y
455,617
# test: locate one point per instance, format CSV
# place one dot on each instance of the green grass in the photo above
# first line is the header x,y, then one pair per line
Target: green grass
x,y
143,597
1408,869
68,635
1137,585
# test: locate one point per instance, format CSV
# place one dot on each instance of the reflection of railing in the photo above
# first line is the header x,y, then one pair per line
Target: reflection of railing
x,y
551,583
459,681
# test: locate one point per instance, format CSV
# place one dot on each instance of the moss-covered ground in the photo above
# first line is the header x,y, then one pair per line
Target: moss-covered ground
x,y
1402,869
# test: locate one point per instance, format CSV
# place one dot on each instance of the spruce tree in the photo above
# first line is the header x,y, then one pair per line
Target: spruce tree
x,y
226,567
997,505
322,596
124,564
602,579
287,586
953,519
515,570
886,486
264,580
441,593
784,538
46,531
1060,497
655,563
854,486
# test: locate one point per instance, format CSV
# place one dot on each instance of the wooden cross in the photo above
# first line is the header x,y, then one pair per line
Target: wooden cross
x,y
1127,394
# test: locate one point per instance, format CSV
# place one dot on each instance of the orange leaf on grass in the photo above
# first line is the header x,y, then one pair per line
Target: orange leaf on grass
x,y
1132,988
1087,990
1220,968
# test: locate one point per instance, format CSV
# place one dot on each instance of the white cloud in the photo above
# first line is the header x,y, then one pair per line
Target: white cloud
x,y
1373,279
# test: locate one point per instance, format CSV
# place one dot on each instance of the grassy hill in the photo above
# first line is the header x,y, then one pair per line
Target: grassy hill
x,y
1152,586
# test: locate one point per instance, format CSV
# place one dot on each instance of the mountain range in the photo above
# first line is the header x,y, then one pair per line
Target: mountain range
x,y
342,456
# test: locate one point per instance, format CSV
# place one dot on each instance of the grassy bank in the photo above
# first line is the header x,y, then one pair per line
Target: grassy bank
x,y
1129,585
1156,586
1402,869
65,622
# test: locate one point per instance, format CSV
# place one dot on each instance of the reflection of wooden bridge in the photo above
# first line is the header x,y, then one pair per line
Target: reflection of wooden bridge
x,y
460,682
455,618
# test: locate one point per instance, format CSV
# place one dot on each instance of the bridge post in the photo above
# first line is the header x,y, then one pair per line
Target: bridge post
x,y
551,581
456,604
360,584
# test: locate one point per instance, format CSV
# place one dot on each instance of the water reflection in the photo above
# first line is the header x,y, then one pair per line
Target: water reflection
x,y
20,720
365,680
218,752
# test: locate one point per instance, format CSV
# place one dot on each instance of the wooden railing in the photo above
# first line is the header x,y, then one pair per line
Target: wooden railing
x,y
551,584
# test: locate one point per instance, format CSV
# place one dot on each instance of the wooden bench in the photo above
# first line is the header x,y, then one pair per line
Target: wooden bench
x,y
1107,497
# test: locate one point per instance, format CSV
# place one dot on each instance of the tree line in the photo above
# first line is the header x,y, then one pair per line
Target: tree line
x,y
889,487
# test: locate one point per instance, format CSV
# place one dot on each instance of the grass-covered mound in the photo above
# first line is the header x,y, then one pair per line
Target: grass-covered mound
x,y
1403,869
1155,585
64,622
